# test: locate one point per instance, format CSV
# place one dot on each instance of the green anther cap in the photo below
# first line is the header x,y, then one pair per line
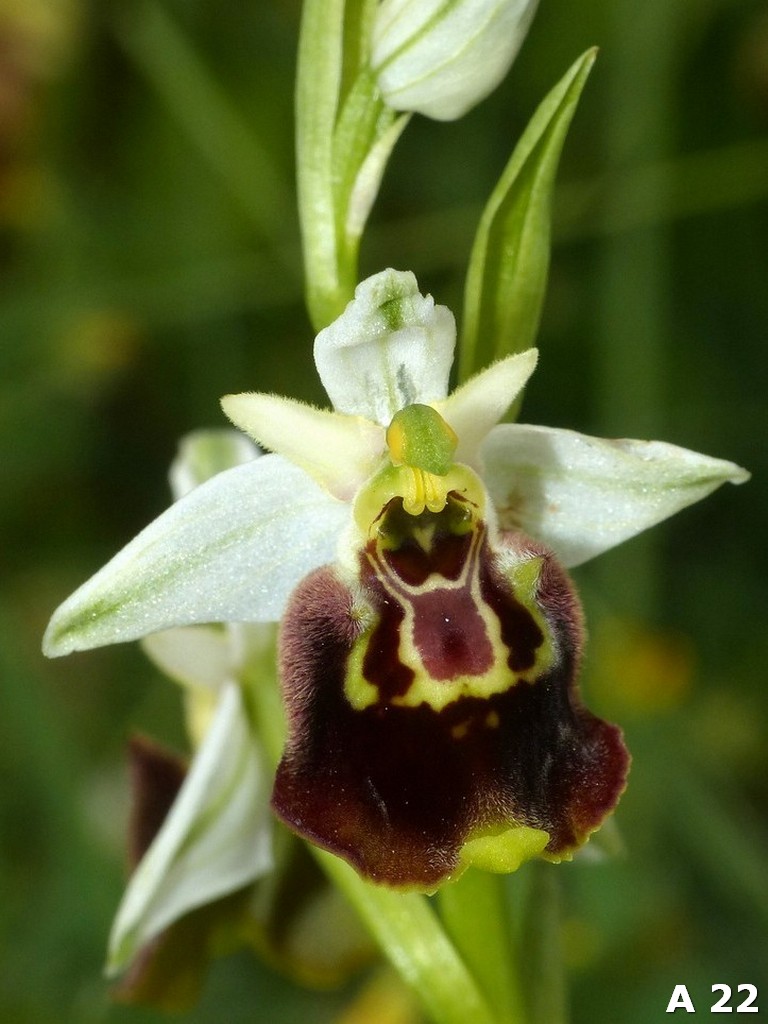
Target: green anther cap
x,y
419,437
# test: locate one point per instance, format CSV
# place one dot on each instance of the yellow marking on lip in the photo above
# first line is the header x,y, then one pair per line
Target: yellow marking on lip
x,y
359,692
439,693
387,529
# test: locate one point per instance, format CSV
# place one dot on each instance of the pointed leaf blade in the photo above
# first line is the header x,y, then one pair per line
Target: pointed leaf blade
x,y
507,273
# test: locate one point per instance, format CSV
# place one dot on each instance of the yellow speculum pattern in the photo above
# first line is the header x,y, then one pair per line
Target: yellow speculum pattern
x,y
422,474
461,594
439,693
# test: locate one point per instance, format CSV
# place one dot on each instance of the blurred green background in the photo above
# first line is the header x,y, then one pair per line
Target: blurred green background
x,y
149,263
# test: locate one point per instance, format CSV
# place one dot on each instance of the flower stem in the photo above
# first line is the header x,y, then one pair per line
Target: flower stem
x,y
545,982
344,138
409,932
474,911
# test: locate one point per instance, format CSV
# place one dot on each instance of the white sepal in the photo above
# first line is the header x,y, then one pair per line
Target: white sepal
x,y
441,57
583,495
477,406
390,347
337,450
232,550
215,839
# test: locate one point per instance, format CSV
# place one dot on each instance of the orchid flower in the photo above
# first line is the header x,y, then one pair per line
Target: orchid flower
x,y
414,548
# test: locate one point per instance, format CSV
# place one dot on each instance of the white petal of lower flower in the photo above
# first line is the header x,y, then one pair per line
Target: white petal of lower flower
x,y
232,550
204,453
390,347
203,659
192,655
583,495
337,450
216,838
477,406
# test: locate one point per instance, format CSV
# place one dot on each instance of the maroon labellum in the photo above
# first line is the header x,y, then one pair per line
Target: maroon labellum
x,y
432,703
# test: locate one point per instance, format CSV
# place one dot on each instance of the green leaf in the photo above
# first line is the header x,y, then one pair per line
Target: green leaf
x,y
507,271
356,130
359,16
366,185
366,133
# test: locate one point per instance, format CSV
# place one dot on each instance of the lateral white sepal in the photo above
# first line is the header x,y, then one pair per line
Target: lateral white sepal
x,y
583,495
231,550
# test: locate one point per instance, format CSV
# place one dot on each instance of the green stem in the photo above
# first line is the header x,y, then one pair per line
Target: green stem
x,y
318,85
412,937
545,981
344,137
474,911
